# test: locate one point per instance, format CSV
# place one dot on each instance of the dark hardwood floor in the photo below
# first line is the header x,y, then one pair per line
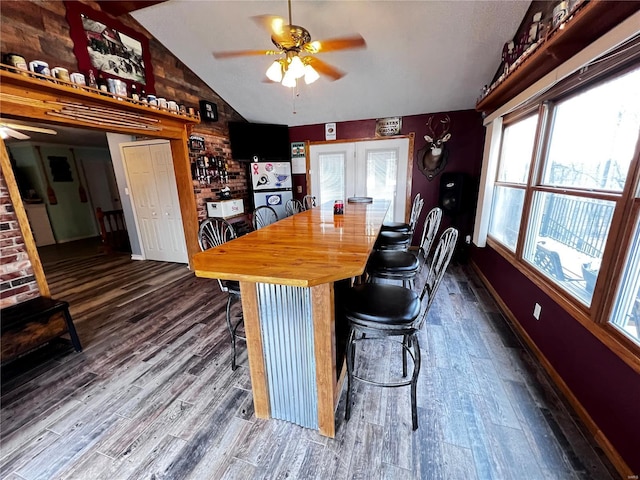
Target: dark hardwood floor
x,y
153,395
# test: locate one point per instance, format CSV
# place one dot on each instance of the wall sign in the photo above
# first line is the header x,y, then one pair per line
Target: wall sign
x,y
329,131
297,150
388,126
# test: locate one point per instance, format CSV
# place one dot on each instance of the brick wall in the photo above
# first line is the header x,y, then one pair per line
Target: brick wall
x,y
38,30
17,282
218,146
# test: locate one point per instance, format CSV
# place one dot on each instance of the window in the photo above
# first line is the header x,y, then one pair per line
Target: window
x,y
626,310
513,172
560,180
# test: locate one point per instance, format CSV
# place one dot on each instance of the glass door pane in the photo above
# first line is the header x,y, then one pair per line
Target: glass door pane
x,y
331,171
381,176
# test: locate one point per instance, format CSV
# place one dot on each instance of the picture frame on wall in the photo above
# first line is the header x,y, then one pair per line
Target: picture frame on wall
x,y
108,47
208,111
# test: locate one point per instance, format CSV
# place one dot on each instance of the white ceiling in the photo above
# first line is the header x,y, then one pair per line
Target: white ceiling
x,y
421,56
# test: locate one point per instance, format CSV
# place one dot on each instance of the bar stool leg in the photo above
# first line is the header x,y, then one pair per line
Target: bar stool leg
x,y
405,345
351,351
232,333
414,380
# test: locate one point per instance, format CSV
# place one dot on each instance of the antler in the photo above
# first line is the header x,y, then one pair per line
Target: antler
x,y
431,132
446,122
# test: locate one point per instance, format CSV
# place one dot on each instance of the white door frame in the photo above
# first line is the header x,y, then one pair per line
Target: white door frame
x,y
409,171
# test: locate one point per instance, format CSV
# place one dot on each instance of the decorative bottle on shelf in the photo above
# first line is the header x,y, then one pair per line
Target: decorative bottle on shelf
x,y
143,96
102,83
134,92
92,79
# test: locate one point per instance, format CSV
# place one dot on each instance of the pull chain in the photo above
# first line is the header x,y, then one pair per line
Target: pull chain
x,y
294,95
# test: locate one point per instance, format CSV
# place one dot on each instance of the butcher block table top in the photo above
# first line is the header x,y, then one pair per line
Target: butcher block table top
x,y
304,250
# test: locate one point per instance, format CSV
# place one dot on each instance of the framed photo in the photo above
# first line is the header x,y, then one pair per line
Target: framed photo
x,y
105,45
208,111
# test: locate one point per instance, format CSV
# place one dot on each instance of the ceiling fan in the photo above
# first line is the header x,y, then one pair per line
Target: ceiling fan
x,y
8,129
297,50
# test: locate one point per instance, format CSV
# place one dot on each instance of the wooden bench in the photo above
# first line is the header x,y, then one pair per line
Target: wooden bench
x,y
38,309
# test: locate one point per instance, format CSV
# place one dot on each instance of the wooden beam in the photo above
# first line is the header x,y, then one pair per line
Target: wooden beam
x,y
23,221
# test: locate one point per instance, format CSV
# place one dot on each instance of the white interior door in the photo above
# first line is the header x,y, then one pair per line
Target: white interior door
x,y
154,196
376,168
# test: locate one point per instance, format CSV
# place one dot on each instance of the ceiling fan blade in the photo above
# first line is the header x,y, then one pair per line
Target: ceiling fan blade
x,y
28,128
243,53
13,133
272,23
334,44
324,68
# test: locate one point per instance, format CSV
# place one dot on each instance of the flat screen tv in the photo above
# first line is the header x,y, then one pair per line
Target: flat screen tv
x,y
259,141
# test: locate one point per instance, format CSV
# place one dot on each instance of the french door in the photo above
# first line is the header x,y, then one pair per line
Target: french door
x,y
375,168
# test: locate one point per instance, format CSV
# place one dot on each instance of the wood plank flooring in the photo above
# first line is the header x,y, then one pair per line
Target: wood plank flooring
x,y
153,395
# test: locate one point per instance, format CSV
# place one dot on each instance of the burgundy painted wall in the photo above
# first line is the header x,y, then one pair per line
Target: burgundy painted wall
x,y
605,385
465,155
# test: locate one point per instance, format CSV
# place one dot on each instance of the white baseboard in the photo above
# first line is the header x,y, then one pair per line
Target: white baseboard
x,y
135,256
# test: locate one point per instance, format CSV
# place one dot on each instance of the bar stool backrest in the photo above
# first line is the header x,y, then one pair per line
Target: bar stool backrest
x,y
263,216
308,202
429,232
293,206
441,258
416,209
212,233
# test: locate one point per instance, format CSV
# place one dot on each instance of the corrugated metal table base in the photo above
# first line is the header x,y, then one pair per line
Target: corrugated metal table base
x,y
286,322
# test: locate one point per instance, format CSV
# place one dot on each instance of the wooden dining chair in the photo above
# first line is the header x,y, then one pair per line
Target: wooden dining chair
x,y
377,311
212,233
263,216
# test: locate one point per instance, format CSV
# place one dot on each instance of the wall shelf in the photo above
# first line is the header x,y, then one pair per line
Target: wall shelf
x,y
590,21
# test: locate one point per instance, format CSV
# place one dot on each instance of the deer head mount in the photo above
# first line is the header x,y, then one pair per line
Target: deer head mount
x,y
432,158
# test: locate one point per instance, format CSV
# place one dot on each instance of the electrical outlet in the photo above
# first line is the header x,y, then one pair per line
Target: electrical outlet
x,y
536,311
299,189
467,239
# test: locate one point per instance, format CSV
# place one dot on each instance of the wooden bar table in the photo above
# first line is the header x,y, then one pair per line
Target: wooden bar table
x,y
287,272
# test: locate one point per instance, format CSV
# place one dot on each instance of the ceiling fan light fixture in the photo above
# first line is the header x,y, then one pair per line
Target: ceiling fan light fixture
x,y
296,67
310,74
289,79
274,72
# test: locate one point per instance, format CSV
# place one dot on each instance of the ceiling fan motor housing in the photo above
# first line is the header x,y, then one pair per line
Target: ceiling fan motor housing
x,y
293,37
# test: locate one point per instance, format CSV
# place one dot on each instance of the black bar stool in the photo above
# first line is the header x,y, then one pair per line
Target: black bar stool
x,y
214,232
401,227
398,236
403,265
377,311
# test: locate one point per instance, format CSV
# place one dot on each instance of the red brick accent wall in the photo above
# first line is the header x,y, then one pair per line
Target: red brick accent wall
x,y
218,146
17,282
